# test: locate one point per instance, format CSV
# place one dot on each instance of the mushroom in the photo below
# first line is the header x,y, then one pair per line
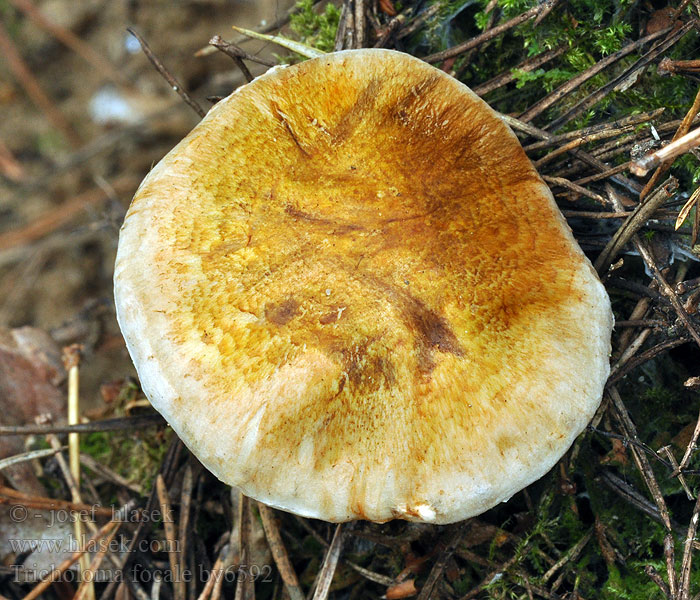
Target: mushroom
x,y
352,296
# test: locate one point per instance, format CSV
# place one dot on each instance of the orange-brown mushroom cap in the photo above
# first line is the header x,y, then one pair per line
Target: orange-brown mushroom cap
x,y
352,296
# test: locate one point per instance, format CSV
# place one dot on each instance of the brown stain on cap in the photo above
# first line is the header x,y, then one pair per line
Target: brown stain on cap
x,y
282,313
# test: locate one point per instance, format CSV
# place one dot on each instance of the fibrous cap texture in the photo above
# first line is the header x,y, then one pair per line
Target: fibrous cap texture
x,y
352,296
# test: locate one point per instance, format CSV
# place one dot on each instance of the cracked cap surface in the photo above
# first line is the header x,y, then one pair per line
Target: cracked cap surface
x,y
352,296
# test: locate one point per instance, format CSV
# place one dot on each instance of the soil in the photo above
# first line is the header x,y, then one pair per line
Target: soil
x,y
62,202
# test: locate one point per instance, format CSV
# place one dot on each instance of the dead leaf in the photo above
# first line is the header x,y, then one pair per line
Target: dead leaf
x,y
30,373
687,207
661,19
618,454
405,589
387,7
684,436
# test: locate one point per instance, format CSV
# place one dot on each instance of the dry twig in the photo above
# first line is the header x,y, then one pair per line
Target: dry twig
x,y
526,66
235,53
279,553
680,146
169,77
600,93
104,425
545,7
565,89
683,128
452,539
639,216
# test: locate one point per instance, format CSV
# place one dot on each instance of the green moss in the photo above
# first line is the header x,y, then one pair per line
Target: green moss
x,y
689,164
589,29
135,456
610,39
629,585
316,29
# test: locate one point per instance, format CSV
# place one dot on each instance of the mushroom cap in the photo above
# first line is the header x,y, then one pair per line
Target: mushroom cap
x,y
352,296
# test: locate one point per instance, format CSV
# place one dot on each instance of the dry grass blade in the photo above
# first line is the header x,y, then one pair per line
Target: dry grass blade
x,y
71,362
280,40
687,207
233,50
65,469
393,26
167,469
634,497
83,589
630,431
88,461
245,585
371,575
170,536
603,174
215,575
668,291
655,323
684,578
10,496
360,39
66,564
330,562
626,364
344,33
25,456
640,215
685,211
183,525
690,448
679,66
541,134
674,463
650,262
571,555
279,553
580,141
653,574
588,214
609,129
